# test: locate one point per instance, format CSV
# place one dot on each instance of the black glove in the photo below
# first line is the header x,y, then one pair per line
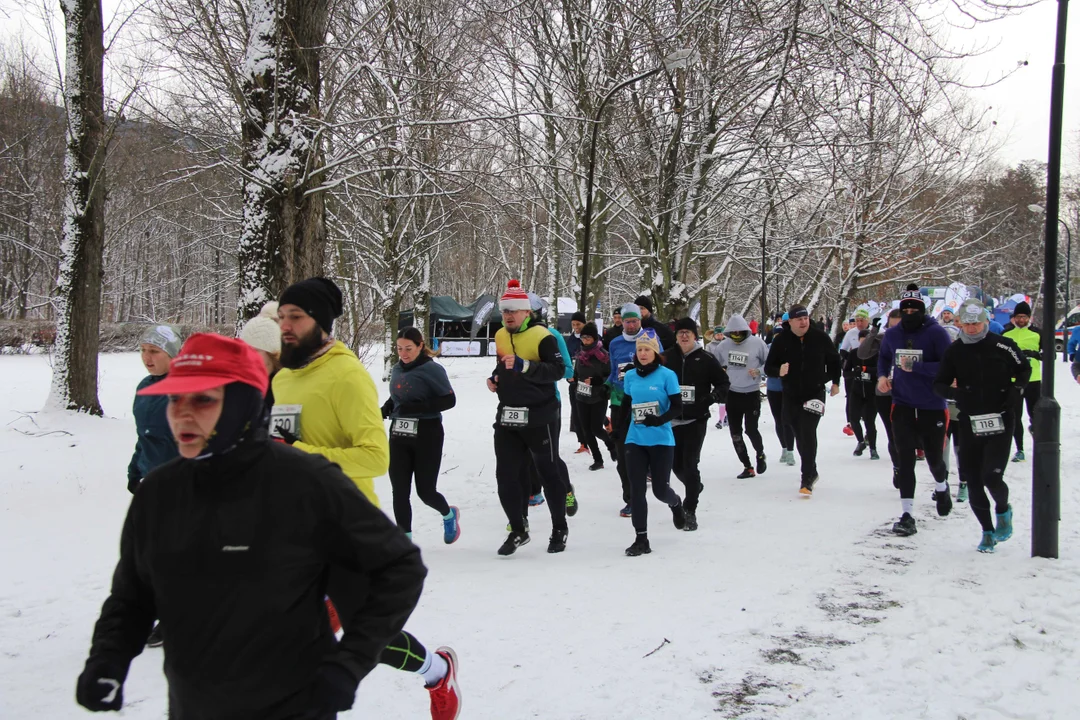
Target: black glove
x,y
133,484
652,421
101,686
1033,354
333,690
287,436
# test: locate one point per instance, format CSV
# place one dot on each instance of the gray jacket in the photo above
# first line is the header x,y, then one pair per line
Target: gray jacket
x,y
740,358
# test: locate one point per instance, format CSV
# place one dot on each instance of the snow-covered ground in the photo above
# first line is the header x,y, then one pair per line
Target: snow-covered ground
x,y
778,607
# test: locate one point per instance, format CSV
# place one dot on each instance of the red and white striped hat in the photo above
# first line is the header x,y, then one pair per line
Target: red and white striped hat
x,y
514,298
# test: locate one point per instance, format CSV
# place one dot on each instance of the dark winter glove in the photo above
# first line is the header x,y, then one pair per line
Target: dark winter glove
x,y
333,690
520,364
652,421
133,484
387,408
101,686
287,436
1033,354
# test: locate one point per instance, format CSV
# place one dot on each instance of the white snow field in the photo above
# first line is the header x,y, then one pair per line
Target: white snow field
x,y
778,607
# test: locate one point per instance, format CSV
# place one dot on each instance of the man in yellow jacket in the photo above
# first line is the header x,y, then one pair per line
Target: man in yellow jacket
x,y
325,403
1028,338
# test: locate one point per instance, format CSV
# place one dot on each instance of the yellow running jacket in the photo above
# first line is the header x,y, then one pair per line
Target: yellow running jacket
x,y
333,407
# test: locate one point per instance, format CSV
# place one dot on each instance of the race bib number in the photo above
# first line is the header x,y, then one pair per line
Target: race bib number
x,y
988,424
405,427
736,359
814,406
514,416
287,417
688,393
644,410
865,376
915,355
623,370
584,390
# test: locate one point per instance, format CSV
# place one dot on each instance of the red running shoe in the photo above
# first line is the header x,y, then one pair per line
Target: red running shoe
x,y
445,700
848,430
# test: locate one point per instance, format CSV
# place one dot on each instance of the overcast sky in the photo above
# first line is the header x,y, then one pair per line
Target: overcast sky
x,y
1020,104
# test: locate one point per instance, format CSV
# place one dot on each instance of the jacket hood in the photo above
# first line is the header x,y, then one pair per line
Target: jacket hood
x,y
736,324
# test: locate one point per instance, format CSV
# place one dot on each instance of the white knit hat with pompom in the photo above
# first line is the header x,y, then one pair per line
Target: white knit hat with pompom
x,y
262,332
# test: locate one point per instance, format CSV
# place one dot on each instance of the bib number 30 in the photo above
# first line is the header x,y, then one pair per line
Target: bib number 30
x,y
405,427
286,417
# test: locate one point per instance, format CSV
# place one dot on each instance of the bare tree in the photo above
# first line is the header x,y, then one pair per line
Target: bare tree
x,y
78,299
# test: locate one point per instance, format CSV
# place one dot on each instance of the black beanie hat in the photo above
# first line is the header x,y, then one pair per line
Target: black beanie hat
x,y
579,316
590,331
644,301
1022,308
319,297
686,324
912,298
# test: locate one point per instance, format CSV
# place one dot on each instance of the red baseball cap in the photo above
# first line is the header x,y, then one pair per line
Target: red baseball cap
x,y
208,360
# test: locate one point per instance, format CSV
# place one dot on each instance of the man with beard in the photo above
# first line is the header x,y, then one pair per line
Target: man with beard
x,y
325,403
805,358
1028,338
907,365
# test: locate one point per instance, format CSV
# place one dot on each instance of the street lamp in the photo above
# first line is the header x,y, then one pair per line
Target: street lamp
x,y
674,61
1068,282
1046,468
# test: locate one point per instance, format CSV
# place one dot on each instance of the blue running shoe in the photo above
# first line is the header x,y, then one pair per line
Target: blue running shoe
x,y
625,512
1019,456
988,543
1004,528
451,529
537,499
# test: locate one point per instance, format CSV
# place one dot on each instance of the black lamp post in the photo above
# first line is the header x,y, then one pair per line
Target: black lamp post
x,y
1068,282
675,60
1046,468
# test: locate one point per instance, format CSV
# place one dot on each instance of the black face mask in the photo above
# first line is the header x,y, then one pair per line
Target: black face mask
x,y
299,355
241,415
913,321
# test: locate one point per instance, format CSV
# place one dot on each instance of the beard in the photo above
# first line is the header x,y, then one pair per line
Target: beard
x,y
297,356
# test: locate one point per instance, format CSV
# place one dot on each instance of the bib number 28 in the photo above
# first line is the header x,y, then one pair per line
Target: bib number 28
x,y
514,416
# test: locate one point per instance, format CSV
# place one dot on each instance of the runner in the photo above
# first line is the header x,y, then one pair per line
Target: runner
x,y
420,393
154,445
573,346
246,629
774,392
702,382
263,333
805,359
526,421
912,352
326,404
985,373
1028,338
652,392
622,352
859,403
591,370
650,321
743,355
615,330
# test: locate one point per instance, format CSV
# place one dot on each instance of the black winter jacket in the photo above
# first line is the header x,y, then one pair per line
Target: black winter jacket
x,y
813,361
594,364
703,372
533,388
234,554
988,374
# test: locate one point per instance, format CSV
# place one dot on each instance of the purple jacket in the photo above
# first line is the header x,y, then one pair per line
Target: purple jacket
x,y
915,389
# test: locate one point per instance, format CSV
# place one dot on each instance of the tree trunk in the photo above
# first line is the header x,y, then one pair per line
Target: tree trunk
x,y
75,366
283,235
